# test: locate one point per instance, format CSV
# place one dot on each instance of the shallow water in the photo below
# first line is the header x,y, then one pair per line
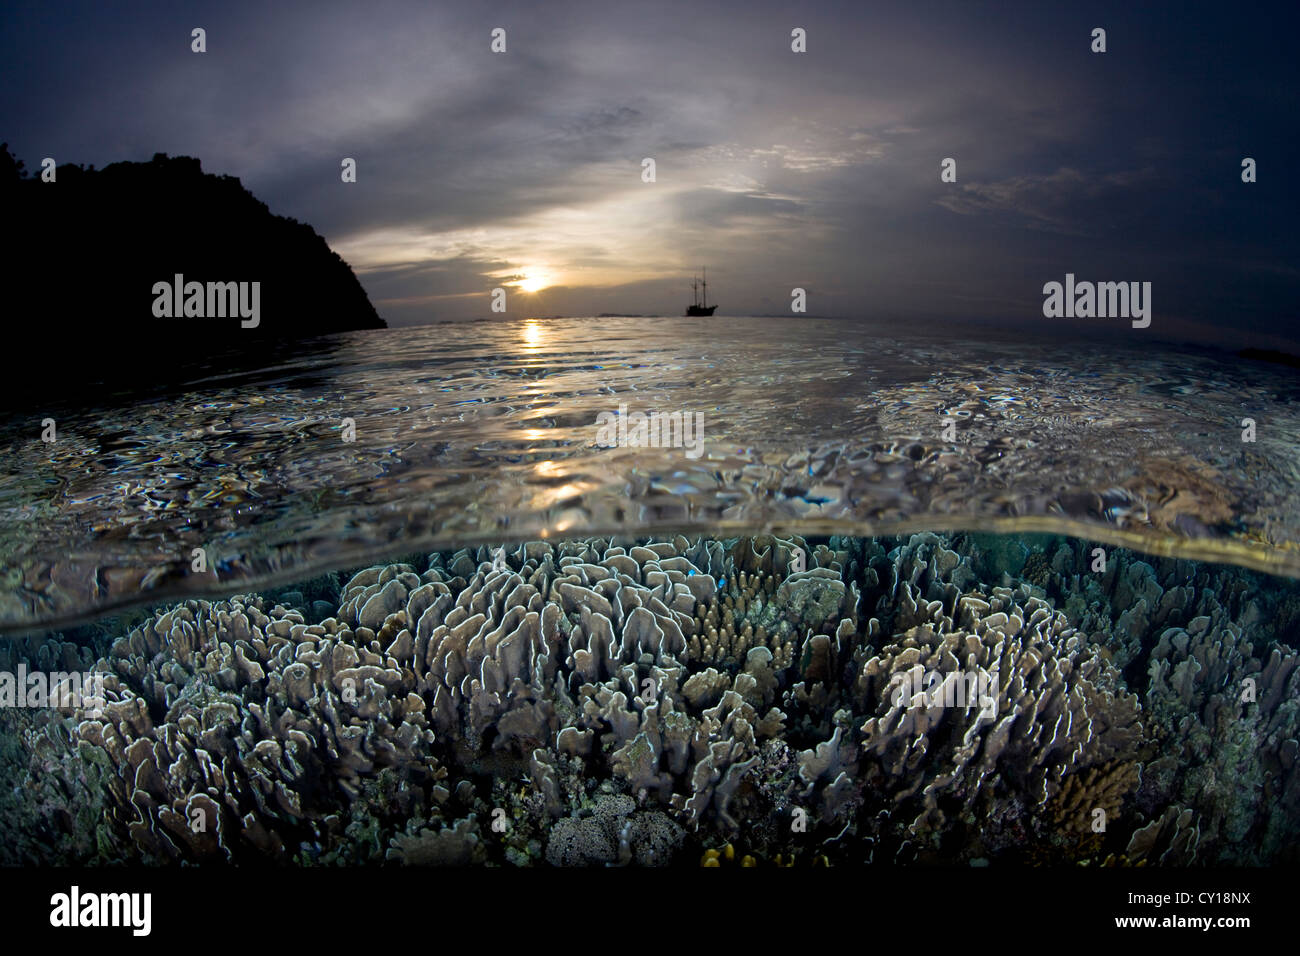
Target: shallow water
x,y
967,699
488,605
488,432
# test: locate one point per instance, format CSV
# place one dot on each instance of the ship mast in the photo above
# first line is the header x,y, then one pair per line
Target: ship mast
x,y
695,290
705,303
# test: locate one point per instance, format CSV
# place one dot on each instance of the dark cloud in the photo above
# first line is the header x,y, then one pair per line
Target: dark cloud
x,y
776,170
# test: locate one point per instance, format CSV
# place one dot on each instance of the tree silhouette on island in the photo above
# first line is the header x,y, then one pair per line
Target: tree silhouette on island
x,y
89,254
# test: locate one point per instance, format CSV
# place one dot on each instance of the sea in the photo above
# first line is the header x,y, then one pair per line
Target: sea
x,y
735,591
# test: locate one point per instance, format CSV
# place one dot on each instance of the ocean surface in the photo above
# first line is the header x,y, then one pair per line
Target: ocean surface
x,y
470,433
648,591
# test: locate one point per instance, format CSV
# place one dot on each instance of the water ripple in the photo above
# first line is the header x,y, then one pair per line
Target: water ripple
x,y
483,432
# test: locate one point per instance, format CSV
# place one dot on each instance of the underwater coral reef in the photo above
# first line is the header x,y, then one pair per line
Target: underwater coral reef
x,y
925,699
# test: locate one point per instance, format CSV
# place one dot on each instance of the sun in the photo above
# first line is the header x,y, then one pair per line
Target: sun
x,y
534,282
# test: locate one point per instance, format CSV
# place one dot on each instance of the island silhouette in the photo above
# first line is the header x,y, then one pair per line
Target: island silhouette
x,y
145,271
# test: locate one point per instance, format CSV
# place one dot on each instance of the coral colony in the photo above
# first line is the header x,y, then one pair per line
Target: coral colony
x,y
725,701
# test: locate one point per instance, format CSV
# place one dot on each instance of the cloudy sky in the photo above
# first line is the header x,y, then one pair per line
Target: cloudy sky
x,y
819,170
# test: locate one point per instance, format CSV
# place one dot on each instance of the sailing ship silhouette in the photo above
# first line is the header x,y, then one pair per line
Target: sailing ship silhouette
x,y
700,306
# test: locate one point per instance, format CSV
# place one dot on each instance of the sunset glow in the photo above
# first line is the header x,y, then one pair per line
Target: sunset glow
x,y
534,282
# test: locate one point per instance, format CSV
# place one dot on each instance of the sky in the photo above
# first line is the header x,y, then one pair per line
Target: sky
x,y
777,170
